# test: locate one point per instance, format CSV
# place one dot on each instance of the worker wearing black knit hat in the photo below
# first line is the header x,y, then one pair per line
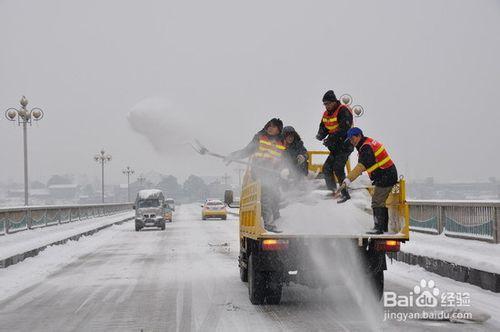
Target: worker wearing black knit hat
x,y
296,152
336,121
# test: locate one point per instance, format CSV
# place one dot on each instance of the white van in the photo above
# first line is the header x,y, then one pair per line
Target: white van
x,y
150,208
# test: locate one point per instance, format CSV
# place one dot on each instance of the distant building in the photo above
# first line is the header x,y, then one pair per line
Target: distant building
x,y
454,190
121,192
64,191
12,193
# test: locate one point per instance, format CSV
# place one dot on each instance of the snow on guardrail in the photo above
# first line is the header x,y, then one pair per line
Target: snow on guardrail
x,y
15,219
477,220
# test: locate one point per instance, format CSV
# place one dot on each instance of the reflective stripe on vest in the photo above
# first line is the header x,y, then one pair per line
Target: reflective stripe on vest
x,y
330,120
269,149
382,158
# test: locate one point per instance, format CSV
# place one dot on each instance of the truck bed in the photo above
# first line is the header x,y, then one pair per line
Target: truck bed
x,y
310,214
269,235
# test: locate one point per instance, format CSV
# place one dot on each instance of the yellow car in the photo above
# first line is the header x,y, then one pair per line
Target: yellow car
x,y
168,215
214,209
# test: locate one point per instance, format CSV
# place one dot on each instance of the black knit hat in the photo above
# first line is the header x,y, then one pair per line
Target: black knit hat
x,y
288,130
329,96
276,122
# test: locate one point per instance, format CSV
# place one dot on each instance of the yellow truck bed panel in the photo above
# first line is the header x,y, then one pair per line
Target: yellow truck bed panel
x,y
251,222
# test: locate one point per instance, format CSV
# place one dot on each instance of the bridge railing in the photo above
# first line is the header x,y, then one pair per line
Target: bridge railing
x,y
478,220
23,218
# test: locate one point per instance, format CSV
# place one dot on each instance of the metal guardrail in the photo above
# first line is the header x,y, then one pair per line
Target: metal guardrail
x,y
478,220
23,218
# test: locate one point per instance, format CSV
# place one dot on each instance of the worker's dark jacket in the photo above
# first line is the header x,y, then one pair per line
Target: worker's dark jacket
x,y
380,177
336,142
293,151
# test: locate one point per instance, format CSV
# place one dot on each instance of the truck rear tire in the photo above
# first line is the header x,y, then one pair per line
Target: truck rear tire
x,y
243,274
256,282
162,226
243,270
378,282
274,297
274,288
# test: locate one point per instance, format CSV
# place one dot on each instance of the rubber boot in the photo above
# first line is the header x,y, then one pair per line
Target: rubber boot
x,y
385,219
330,182
345,196
378,228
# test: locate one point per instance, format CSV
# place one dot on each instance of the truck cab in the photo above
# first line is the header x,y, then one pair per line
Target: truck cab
x,y
150,209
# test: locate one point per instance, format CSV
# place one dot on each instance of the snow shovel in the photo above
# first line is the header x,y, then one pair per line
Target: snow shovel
x,y
201,149
337,192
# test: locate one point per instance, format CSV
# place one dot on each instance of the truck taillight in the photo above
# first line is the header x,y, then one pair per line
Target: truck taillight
x,y
387,245
274,244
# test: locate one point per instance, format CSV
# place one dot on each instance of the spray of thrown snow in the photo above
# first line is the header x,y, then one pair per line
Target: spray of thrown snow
x,y
336,264
164,127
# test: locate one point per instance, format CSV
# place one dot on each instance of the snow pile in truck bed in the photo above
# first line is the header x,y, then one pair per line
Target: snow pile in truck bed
x,y
314,214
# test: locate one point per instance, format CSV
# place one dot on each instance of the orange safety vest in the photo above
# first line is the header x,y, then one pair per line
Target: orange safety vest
x,y
330,120
382,158
268,149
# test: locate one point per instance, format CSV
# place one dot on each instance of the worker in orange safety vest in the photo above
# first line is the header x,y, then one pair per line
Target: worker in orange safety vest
x,y
266,153
337,119
375,160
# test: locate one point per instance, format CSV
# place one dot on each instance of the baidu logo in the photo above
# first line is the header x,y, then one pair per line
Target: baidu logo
x,y
427,294
424,295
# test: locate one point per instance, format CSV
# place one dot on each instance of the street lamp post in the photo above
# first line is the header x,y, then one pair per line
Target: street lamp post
x,y
102,158
240,171
128,171
24,117
225,178
141,180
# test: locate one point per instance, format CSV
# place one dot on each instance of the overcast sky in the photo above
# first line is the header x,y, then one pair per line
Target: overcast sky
x,y
142,78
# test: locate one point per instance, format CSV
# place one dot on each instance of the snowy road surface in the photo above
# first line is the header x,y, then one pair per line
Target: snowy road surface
x,y
184,279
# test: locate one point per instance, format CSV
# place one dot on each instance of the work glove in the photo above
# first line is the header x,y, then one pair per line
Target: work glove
x,y
285,173
345,184
301,159
318,137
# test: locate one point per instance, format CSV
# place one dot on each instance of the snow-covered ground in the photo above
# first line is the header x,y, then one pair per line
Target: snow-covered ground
x,y
184,278
476,254
20,242
480,300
